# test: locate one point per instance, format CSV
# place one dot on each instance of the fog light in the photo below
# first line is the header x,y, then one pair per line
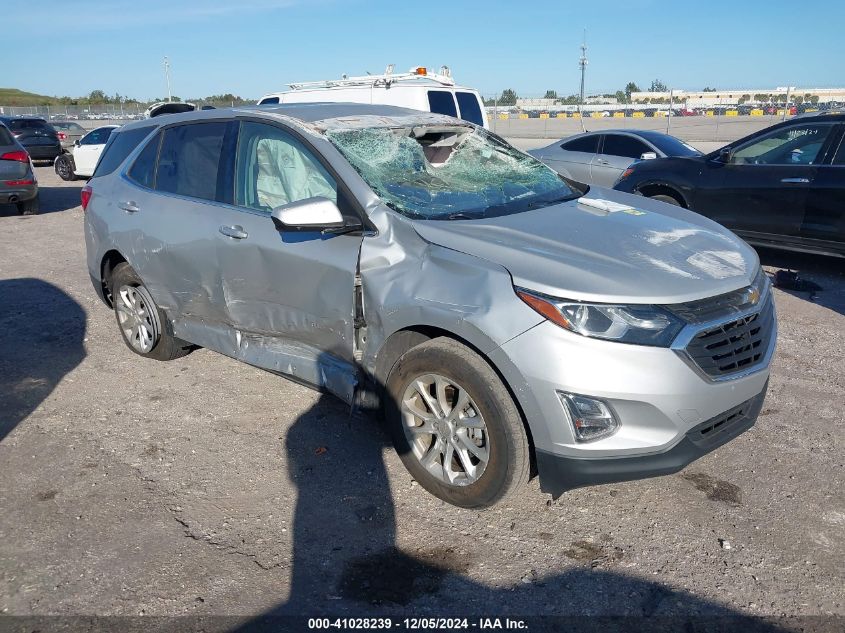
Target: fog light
x,y
591,419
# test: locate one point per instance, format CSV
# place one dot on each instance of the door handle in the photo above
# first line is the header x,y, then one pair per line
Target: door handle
x,y
602,161
795,181
237,232
129,206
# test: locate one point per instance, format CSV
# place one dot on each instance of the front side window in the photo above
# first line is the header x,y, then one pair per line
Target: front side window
x,y
470,110
453,173
793,145
269,101
189,160
839,159
274,169
442,102
624,146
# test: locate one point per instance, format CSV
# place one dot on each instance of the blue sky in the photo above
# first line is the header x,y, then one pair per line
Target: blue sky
x,y
249,47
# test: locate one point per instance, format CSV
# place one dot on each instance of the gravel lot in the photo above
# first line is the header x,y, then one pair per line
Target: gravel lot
x,y
204,486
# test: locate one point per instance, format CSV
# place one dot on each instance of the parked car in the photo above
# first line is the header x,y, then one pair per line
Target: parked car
x,y
782,187
81,161
18,184
601,157
69,132
36,135
500,315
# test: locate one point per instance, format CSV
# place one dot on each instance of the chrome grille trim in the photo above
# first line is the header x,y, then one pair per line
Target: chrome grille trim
x,y
731,347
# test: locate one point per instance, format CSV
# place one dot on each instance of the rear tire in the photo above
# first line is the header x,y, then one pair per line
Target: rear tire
x,y
468,445
667,199
64,168
29,207
143,325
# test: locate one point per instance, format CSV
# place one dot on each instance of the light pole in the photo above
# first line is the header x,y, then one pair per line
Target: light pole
x,y
167,77
582,62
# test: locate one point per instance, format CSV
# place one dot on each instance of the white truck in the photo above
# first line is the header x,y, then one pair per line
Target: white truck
x,y
418,89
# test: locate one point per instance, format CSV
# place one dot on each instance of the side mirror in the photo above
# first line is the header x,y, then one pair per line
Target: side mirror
x,y
648,156
311,214
76,143
725,154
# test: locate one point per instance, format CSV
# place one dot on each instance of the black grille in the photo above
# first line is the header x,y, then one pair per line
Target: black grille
x,y
734,346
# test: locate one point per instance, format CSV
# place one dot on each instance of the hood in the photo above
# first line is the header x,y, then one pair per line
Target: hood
x,y
613,247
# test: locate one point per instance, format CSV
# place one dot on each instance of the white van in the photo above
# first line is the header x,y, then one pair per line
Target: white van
x,y
417,89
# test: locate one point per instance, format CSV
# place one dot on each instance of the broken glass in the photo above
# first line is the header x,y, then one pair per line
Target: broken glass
x,y
435,172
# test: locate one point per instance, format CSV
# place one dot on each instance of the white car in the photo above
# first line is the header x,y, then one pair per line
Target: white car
x,y
82,159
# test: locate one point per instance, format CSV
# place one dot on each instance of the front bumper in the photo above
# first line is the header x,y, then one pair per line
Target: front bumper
x,y
658,398
559,473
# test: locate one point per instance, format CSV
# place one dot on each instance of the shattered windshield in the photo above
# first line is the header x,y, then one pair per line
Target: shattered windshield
x,y
440,172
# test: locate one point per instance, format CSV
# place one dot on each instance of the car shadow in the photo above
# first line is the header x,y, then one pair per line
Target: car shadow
x,y
816,278
346,561
50,200
41,340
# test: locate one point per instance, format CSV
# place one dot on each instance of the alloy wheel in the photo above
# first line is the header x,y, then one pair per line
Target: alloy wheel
x,y
136,314
445,429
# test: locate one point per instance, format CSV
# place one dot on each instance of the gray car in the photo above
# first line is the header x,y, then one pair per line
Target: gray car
x,y
600,157
69,132
18,184
503,320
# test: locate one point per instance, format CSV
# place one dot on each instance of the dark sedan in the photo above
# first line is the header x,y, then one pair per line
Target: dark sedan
x,y
36,135
783,186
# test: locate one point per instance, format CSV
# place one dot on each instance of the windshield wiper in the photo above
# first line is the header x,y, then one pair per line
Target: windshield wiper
x,y
463,215
537,204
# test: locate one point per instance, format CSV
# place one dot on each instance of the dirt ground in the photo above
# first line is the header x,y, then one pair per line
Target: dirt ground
x,y
207,487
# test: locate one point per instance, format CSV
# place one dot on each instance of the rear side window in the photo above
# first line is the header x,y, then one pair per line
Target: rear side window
x,y
269,100
144,168
5,136
624,146
118,147
589,144
189,160
442,102
28,124
470,110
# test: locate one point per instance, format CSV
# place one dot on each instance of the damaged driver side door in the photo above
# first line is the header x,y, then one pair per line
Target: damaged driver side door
x,y
289,296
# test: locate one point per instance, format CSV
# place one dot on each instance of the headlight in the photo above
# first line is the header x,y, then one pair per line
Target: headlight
x,y
635,324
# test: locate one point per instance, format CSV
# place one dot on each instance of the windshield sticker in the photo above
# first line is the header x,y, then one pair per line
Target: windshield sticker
x,y
608,206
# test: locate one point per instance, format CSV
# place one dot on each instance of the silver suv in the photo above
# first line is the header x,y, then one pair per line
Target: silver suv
x,y
506,320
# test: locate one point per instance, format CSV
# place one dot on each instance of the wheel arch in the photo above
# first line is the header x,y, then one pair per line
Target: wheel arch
x,y
649,189
409,337
108,263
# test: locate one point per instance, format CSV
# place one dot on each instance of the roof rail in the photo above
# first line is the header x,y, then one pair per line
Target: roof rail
x,y
443,77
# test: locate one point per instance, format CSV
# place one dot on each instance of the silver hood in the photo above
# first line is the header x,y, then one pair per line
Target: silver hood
x,y
651,253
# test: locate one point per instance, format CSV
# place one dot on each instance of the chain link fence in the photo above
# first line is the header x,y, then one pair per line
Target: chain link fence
x,y
716,122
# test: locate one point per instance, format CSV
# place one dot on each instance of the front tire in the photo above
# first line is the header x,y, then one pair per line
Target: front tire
x,y
143,325
667,199
455,425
